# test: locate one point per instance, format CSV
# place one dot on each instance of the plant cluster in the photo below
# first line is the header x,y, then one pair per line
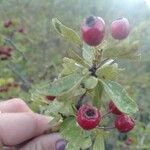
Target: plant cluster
x,y
75,98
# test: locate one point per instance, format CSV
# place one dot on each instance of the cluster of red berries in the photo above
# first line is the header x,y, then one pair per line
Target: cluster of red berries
x,y
8,23
5,52
5,88
93,30
89,117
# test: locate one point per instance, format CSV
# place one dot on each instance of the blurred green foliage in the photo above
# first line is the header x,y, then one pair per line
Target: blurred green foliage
x,y
38,53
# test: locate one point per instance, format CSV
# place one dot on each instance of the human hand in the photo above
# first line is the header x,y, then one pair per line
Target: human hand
x,y
22,128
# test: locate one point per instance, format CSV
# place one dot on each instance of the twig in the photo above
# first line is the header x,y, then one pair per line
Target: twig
x,y
106,128
22,78
79,103
16,48
105,115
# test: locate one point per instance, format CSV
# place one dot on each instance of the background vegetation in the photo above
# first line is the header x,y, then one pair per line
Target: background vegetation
x,y
37,53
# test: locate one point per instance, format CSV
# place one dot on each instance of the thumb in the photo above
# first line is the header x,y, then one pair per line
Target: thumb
x,y
46,142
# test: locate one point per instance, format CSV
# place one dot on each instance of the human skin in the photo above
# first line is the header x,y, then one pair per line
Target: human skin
x,y
23,129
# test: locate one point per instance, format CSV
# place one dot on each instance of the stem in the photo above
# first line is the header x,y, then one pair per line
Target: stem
x,y
106,128
105,115
26,83
80,101
16,48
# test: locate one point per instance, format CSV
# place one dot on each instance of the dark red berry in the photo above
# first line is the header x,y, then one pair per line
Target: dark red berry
x,y
50,98
3,89
3,57
7,23
93,30
120,28
88,117
21,29
129,141
114,109
124,123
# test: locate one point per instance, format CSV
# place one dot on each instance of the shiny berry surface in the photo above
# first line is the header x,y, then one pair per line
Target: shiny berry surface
x,y
120,28
114,109
124,123
88,117
93,30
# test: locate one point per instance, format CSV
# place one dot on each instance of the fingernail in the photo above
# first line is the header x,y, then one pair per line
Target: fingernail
x,y
60,145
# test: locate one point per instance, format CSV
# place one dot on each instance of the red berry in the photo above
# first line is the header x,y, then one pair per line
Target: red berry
x,y
93,30
3,57
120,28
124,123
21,29
129,141
7,23
50,98
114,109
88,117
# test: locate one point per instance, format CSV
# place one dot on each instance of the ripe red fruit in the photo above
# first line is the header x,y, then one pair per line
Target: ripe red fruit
x,y
124,123
120,28
88,117
114,109
93,30
50,98
7,23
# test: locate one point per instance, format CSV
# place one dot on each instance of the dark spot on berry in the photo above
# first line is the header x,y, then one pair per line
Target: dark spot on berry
x,y
90,112
90,21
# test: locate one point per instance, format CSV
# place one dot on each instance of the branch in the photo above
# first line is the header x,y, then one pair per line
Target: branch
x,y
16,48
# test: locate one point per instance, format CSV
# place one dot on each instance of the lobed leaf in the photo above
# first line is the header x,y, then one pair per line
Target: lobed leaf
x,y
120,97
66,32
60,86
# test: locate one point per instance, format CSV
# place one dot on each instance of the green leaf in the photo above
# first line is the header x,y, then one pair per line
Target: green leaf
x,y
88,54
108,71
120,97
56,107
125,50
90,82
97,95
99,142
76,57
60,86
66,32
71,67
74,135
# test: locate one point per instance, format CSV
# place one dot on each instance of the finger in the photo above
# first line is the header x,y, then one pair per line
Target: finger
x,y
46,142
14,105
16,128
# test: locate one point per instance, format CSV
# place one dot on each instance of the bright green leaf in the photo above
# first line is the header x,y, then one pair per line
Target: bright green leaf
x,y
56,107
74,135
124,50
71,67
120,97
108,72
88,54
99,142
60,86
66,32
97,95
76,57
90,82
